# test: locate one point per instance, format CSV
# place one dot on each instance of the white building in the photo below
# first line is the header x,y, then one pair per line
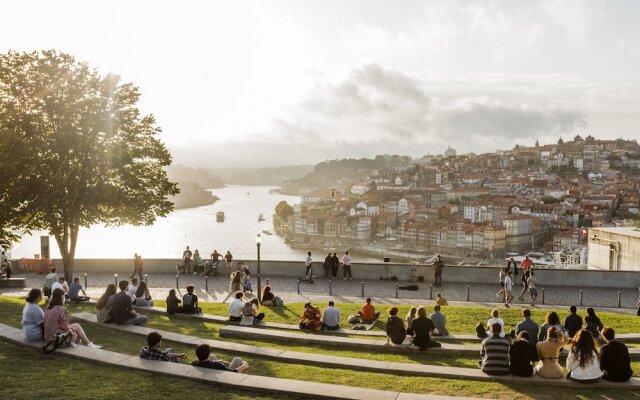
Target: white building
x,y
363,229
616,249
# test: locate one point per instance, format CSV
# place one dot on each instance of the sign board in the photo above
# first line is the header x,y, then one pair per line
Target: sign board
x,y
44,247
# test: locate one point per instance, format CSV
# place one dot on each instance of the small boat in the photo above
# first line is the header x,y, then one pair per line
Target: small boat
x,y
267,233
220,216
260,218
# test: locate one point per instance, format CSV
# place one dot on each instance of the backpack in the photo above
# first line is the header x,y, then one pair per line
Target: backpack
x,y
480,332
62,339
277,301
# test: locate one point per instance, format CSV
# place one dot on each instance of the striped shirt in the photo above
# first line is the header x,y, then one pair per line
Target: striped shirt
x,y
495,356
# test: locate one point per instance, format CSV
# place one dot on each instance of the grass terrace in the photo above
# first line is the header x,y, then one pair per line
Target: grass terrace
x,y
24,366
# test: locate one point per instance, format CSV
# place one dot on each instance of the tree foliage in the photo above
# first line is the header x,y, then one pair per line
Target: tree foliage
x,y
284,210
78,151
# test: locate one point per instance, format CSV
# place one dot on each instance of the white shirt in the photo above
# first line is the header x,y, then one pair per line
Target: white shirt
x,y
498,320
57,285
502,275
247,320
531,281
508,284
235,308
591,371
331,316
346,259
308,261
131,291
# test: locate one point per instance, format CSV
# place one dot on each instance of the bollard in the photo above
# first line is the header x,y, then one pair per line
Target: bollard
x,y
85,281
298,286
177,286
115,277
581,298
396,290
267,282
619,299
206,283
330,287
146,279
467,292
542,295
362,284
430,292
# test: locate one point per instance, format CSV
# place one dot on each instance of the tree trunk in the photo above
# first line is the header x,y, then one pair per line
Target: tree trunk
x,y
67,240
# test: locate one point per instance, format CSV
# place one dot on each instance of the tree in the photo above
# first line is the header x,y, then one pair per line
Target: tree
x,y
284,210
81,153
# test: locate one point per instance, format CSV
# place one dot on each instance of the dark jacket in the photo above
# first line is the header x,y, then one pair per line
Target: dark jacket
x,y
521,355
121,308
211,365
395,330
422,328
615,362
573,323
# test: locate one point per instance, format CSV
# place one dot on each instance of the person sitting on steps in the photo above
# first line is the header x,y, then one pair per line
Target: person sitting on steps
x,y
190,302
368,315
441,301
173,303
251,314
235,308
152,350
422,328
206,360
396,333
331,318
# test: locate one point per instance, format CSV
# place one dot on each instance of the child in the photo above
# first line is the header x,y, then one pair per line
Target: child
x,y
173,303
190,302
203,352
153,352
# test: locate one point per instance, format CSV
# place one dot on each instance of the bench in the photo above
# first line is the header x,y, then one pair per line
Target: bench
x,y
13,283
350,362
244,382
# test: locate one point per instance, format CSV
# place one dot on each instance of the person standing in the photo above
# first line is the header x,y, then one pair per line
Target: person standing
x,y
502,275
346,266
335,264
508,288
512,264
533,292
186,259
438,266
135,265
308,262
525,282
327,265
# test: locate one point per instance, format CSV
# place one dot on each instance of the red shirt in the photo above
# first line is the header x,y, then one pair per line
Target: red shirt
x,y
368,312
526,264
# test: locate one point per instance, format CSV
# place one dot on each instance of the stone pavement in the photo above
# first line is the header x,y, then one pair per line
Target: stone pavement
x,y
351,290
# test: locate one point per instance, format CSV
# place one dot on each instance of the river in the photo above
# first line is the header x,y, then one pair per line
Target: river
x,y
194,227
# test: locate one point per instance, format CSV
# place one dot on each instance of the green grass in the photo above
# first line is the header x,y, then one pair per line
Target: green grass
x,y
128,343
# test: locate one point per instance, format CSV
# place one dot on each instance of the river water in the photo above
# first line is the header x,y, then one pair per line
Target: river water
x,y
194,227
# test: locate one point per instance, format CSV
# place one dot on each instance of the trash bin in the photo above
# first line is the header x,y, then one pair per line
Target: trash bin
x,y
387,259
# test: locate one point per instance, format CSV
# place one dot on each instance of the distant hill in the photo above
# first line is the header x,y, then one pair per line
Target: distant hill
x,y
272,176
204,178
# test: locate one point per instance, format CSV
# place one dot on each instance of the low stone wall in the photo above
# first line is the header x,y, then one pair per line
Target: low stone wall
x,y
403,272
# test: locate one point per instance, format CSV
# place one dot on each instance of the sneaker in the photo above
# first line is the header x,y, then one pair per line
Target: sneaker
x,y
243,368
93,346
506,305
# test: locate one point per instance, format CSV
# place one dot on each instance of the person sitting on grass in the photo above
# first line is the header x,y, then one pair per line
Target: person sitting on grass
x,y
583,361
368,315
614,358
62,285
495,353
143,296
422,328
173,303
440,321
152,350
550,320
132,289
522,355
56,320
190,302
251,314
528,325
267,296
411,315
331,317
549,351
103,306
441,301
75,289
495,318
122,312
206,360
310,319
592,323
395,327
33,317
235,308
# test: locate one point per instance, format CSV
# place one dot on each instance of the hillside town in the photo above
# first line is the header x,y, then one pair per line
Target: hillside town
x,y
538,198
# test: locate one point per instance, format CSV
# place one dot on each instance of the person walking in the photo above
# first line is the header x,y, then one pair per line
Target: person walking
x,y
502,275
533,292
335,264
186,258
508,287
135,265
512,264
308,262
525,283
346,266
438,266
234,285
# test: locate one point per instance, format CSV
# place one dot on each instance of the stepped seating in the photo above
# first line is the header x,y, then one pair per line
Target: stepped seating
x,y
354,363
246,382
13,283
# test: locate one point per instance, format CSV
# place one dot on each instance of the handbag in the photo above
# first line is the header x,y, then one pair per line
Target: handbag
x,y
61,339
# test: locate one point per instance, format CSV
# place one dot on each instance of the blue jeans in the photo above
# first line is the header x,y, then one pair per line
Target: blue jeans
x,y
137,320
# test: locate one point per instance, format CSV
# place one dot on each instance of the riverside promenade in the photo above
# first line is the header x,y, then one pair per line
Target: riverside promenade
x,y
351,291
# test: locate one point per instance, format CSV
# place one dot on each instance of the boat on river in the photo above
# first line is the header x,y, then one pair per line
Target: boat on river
x,y
220,216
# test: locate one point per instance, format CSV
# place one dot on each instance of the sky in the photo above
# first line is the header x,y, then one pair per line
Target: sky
x,y
267,83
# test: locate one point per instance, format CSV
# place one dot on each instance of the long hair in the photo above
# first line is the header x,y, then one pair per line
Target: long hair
x,y
552,318
583,348
109,291
57,299
235,277
34,294
142,288
412,312
257,304
265,290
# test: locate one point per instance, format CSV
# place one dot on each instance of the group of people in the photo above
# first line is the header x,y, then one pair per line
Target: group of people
x,y
74,292
529,281
193,262
239,281
331,265
537,351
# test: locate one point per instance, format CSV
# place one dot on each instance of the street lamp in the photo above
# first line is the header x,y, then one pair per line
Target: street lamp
x,y
258,242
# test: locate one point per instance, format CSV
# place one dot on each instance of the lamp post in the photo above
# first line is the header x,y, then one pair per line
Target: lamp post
x,y
258,242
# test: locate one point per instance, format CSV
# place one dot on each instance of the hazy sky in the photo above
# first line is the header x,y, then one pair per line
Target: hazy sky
x,y
279,82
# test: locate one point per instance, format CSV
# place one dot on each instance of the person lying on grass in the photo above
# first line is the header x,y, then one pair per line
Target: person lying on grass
x,y
153,352
206,360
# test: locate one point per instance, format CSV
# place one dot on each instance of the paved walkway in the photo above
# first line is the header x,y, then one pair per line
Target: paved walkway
x,y
352,291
